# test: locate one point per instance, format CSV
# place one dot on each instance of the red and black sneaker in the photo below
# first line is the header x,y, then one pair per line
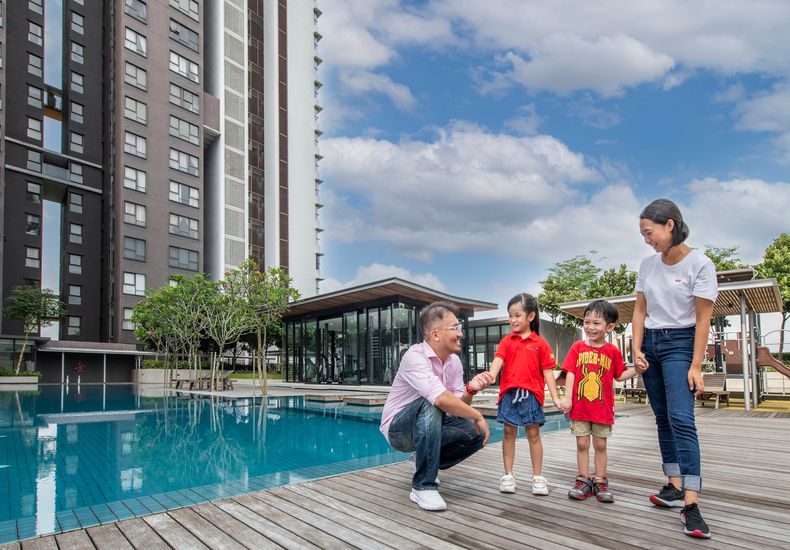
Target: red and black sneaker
x,y
693,524
669,497
582,489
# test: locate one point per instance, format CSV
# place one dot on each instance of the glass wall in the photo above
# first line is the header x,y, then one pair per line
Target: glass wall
x,y
362,346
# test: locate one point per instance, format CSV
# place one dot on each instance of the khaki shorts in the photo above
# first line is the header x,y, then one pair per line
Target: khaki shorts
x,y
581,428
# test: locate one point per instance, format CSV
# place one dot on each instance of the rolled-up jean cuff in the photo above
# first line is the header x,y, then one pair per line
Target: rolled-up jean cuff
x,y
692,483
671,469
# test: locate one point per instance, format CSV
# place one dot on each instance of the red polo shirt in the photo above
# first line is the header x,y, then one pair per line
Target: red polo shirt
x,y
524,359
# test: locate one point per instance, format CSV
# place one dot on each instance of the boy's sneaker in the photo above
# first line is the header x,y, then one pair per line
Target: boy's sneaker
x,y
507,484
693,524
428,499
669,497
600,487
539,486
582,489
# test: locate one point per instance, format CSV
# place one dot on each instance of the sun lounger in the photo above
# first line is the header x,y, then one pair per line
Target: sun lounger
x,y
637,390
714,388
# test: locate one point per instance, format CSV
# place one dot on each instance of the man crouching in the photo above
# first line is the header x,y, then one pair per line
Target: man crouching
x,y
428,409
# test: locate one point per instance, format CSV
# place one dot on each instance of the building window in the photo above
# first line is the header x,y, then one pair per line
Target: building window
x,y
75,172
34,161
77,23
76,142
135,76
134,144
134,249
35,33
134,213
75,233
77,82
137,9
77,112
34,96
34,192
136,42
75,203
34,65
75,295
183,258
134,283
189,7
181,225
184,98
77,53
182,129
184,67
32,257
184,162
184,194
184,35
74,324
36,6
75,264
134,179
34,128
135,110
127,319
32,225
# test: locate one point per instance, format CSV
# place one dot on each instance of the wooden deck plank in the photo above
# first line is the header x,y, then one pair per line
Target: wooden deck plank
x,y
44,543
262,525
746,501
76,540
207,533
173,533
108,537
10,546
246,536
140,535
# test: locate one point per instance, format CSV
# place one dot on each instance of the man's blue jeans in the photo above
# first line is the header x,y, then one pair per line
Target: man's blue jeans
x,y
440,440
669,353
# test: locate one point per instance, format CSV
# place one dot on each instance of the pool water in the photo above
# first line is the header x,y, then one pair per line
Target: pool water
x,y
77,458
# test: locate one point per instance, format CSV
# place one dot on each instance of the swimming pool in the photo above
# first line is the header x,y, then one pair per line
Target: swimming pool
x,y
71,459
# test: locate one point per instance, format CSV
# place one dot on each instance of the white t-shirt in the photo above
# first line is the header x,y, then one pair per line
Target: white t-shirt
x,y
670,289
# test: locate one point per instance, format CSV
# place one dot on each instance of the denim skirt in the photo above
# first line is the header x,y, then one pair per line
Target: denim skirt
x,y
519,407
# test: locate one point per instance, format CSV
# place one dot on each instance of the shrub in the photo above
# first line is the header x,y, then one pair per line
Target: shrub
x,y
10,372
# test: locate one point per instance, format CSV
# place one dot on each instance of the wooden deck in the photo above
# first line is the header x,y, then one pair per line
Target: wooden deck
x,y
746,463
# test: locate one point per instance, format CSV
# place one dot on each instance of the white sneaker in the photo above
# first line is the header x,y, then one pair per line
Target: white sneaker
x,y
507,484
413,463
539,486
428,499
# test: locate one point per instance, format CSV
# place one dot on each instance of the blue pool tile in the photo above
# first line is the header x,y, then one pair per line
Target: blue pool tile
x,y
181,498
195,497
120,510
67,520
166,501
86,517
103,513
136,507
151,504
8,531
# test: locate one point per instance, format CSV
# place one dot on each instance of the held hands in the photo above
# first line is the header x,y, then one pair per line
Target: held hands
x,y
640,362
563,405
481,381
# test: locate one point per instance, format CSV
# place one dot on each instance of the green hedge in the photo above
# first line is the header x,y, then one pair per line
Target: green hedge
x,y
159,364
10,372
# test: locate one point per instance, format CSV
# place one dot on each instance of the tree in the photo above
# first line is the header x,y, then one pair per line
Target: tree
x,y
614,282
724,259
36,308
568,281
776,264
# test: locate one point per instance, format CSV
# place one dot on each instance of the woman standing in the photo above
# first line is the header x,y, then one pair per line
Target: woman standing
x,y
675,292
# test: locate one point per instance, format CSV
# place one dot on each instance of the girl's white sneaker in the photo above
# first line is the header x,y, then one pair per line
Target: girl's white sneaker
x,y
507,484
539,486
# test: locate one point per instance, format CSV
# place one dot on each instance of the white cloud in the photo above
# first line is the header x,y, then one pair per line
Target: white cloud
x,y
591,114
363,82
526,122
378,272
766,112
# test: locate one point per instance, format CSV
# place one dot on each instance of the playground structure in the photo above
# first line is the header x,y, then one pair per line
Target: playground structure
x,y
740,294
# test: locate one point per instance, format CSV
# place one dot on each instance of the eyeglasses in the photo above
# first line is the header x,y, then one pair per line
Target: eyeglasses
x,y
459,328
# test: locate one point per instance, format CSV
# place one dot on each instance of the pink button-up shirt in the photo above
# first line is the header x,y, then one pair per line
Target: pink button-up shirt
x,y
421,374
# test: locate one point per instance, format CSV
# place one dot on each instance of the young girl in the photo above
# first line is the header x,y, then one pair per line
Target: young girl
x,y
675,292
526,361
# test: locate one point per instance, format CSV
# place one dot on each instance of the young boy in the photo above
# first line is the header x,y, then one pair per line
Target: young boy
x,y
590,370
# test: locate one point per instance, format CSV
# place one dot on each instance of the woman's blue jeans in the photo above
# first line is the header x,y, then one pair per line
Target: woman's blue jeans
x,y
439,440
669,353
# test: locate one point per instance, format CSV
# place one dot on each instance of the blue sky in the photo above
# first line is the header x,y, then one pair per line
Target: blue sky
x,y
469,145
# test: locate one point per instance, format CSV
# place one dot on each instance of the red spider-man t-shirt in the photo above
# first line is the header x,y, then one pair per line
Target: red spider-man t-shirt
x,y
594,371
